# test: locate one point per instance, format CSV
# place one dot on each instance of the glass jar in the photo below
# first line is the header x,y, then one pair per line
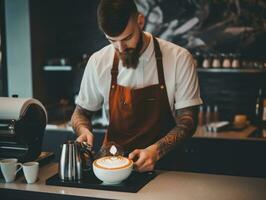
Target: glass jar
x,y
235,61
216,63
206,61
226,60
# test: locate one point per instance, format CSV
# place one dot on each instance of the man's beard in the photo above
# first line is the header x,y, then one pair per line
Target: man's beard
x,y
130,57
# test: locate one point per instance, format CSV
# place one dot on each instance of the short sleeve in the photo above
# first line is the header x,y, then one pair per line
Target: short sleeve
x,y
89,96
187,91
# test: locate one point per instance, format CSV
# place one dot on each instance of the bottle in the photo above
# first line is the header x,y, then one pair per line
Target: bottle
x,y
264,118
215,114
259,112
201,116
208,114
208,118
216,63
226,61
235,61
206,62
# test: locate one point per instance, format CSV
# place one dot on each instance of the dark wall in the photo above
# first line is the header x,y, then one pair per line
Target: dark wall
x,y
62,29
69,27
233,92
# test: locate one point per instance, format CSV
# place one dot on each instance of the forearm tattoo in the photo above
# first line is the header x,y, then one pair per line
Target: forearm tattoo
x,y
81,118
186,124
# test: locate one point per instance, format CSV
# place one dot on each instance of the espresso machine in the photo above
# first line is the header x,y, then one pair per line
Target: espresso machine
x,y
22,126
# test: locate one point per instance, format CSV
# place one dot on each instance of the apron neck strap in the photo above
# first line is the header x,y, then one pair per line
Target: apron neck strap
x,y
159,62
114,70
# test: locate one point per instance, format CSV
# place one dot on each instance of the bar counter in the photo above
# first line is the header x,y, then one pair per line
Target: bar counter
x,y
166,185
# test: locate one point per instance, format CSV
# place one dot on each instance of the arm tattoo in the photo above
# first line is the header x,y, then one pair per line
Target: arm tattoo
x,y
186,124
81,118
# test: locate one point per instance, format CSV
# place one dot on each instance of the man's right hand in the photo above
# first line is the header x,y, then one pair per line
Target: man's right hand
x,y
85,136
81,123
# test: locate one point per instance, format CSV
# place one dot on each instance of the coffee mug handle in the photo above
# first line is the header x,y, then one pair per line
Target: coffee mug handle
x,y
20,167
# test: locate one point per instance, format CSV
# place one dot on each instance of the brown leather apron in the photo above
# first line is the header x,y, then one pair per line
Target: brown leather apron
x,y
138,117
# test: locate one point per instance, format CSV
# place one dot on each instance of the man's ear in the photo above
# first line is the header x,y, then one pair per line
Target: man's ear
x,y
141,21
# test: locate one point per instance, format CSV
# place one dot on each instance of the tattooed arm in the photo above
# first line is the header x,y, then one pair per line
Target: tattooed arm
x,y
186,124
81,123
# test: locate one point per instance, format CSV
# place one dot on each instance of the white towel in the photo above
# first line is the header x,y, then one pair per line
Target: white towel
x,y
14,108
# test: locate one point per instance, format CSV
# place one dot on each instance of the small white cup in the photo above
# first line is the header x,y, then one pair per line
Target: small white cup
x,y
31,170
9,168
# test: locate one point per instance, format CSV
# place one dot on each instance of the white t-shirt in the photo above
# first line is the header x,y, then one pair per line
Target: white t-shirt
x,y
179,72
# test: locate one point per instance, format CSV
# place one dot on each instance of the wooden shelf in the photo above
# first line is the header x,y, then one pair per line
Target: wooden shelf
x,y
230,70
61,68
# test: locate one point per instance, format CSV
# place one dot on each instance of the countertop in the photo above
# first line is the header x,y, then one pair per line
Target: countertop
x,y
229,134
167,185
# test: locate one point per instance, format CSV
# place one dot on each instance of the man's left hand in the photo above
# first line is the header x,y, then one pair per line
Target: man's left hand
x,y
145,159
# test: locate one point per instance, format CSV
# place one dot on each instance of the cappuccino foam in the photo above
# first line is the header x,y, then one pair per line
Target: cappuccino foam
x,y
113,162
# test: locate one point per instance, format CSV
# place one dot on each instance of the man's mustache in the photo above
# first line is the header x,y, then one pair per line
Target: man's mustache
x,y
127,51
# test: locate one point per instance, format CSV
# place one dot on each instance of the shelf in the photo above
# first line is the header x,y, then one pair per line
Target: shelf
x,y
57,68
230,70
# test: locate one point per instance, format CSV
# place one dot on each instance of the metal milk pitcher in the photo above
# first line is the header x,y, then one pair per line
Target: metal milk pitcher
x,y
71,166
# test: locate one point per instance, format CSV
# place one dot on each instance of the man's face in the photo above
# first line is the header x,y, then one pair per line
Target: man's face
x,y
128,44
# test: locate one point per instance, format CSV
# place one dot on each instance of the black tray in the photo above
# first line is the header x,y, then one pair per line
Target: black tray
x,y
133,184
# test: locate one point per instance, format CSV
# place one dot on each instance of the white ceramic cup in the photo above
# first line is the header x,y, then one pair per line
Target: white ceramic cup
x,y
31,170
9,168
108,170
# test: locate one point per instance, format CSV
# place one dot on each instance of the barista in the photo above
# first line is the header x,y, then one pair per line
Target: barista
x,y
149,86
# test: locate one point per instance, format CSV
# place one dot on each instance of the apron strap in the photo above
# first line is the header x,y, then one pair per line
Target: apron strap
x,y
159,61
114,70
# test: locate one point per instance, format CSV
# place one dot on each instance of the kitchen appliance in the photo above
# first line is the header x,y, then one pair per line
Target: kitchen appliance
x,y
75,157
22,126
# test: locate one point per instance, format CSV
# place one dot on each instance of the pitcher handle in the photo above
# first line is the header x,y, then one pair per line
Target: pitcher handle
x,y
20,167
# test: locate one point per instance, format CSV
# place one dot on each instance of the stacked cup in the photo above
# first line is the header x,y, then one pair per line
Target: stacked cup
x,y
9,168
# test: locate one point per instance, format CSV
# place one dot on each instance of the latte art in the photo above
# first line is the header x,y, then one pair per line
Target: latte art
x,y
113,162
112,169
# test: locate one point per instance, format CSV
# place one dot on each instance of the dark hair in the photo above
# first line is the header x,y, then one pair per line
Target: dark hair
x,y
113,15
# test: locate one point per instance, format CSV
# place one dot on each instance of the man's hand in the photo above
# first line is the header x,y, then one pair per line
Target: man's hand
x,y
145,159
85,136
81,123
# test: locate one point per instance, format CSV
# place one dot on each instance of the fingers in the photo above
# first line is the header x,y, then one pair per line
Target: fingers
x,y
144,163
89,139
80,139
140,164
85,137
134,155
143,160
